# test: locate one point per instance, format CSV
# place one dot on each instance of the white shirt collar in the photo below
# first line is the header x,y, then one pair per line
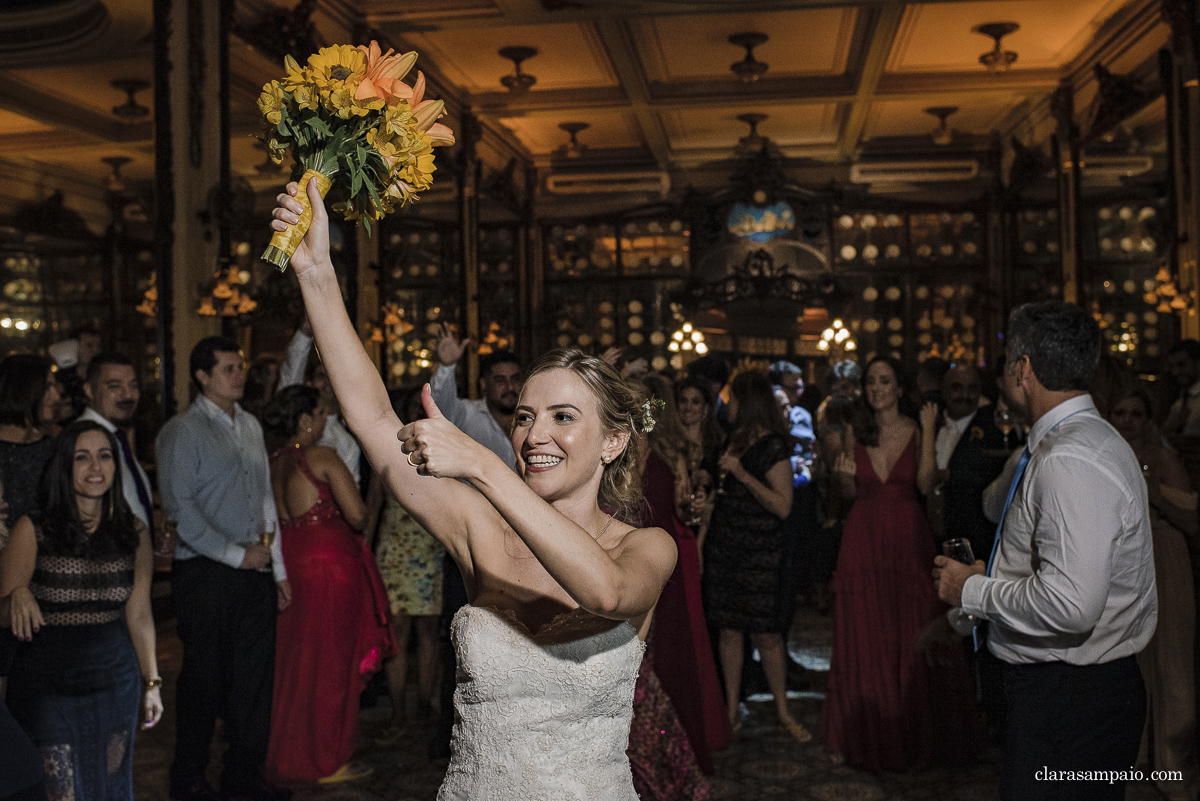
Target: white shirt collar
x,y
91,414
1062,411
215,412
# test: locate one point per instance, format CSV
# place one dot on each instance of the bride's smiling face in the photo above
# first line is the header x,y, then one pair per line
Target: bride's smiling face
x,y
558,436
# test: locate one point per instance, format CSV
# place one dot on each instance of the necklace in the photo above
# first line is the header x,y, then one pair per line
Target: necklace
x,y
606,525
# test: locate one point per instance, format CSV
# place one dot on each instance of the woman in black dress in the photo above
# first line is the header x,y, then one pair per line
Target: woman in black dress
x,y
29,400
744,542
77,578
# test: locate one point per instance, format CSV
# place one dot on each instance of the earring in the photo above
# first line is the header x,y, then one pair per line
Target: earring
x,y
607,459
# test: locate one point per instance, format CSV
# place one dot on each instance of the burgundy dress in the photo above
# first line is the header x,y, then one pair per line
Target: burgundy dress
x,y
681,650
328,642
885,707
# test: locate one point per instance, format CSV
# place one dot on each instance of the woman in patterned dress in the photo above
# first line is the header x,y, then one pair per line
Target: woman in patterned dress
x,y
410,561
76,576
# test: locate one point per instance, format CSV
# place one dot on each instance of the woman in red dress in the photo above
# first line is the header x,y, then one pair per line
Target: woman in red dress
x,y
889,706
681,649
335,632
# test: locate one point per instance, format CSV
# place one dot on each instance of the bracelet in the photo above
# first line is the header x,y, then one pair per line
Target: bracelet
x,y
152,684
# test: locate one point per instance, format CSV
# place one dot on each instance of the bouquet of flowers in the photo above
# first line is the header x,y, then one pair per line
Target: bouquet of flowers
x,y
351,122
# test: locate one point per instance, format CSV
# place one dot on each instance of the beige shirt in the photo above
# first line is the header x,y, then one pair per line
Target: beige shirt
x,y
1073,579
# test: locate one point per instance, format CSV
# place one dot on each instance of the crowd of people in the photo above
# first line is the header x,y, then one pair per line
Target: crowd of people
x,y
582,560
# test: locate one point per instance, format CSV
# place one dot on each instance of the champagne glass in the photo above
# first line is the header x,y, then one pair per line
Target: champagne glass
x,y
267,538
701,488
170,535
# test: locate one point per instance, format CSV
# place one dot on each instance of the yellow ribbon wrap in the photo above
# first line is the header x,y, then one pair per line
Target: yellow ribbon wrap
x,y
284,243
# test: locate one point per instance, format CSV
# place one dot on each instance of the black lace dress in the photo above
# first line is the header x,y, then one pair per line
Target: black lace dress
x,y
744,548
76,687
21,466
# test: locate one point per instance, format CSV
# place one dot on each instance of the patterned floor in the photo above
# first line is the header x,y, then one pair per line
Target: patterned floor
x,y
763,762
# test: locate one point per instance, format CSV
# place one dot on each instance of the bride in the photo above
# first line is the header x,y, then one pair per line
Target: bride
x,y
561,589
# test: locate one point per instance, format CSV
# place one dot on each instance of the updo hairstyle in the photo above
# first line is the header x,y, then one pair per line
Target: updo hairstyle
x,y
281,418
620,408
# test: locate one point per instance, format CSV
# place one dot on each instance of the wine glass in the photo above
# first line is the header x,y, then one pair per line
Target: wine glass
x,y
701,489
1006,421
170,535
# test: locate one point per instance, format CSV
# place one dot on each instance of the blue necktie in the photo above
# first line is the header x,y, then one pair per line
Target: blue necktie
x,y
143,492
979,634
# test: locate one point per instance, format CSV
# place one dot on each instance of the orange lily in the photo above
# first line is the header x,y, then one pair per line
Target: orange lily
x,y
384,71
428,112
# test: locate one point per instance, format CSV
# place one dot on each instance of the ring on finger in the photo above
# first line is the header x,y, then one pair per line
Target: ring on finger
x,y
410,459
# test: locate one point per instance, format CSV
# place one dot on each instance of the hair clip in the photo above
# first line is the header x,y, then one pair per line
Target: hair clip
x,y
648,417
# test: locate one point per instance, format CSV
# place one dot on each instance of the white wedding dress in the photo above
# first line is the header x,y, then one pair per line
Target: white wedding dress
x,y
536,721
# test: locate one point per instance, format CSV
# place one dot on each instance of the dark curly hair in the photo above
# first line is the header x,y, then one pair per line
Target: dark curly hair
x,y
61,525
281,418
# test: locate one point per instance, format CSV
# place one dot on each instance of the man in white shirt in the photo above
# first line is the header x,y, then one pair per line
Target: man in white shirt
x,y
489,420
336,435
112,393
1068,592
215,480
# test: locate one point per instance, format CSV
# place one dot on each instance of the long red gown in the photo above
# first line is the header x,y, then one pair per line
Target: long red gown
x,y
682,652
885,707
328,642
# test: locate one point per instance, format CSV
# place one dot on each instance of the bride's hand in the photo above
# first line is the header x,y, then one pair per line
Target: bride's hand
x,y
313,251
437,447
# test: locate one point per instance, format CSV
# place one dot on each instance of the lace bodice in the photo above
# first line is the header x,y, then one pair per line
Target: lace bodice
x,y
538,721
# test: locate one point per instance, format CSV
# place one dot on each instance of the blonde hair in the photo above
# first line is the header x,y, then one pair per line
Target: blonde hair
x,y
668,439
620,408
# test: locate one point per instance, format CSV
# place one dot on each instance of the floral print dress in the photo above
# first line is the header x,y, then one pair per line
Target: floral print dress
x,y
410,561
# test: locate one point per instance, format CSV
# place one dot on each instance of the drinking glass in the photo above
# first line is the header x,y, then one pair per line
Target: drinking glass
x,y
959,549
170,535
701,489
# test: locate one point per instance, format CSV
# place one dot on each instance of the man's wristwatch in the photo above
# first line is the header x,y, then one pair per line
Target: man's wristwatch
x,y
152,684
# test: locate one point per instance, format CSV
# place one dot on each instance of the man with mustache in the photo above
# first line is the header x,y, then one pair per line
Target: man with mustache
x,y
487,421
112,392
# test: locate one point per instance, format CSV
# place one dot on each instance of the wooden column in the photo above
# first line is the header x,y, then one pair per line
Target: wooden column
x,y
468,220
1181,86
191,159
1065,149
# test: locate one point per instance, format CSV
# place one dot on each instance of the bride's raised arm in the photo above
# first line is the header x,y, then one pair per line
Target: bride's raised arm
x,y
441,506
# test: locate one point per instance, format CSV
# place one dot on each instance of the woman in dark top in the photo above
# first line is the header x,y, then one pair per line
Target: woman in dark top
x,y
77,579
744,542
29,399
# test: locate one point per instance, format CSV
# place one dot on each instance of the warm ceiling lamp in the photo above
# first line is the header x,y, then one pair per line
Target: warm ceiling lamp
x,y
997,59
942,135
116,183
519,81
131,110
573,149
749,69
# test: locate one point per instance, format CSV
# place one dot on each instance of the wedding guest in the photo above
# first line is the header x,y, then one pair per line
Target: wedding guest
x,y
1183,364
697,406
411,563
744,543
1069,593
29,395
76,575
335,633
214,482
112,393
888,706
1167,662
262,381
680,649
87,345
303,365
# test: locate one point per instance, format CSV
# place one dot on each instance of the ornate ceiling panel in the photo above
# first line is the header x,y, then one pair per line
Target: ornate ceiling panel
x,y
11,123
809,42
607,129
977,114
719,128
938,37
569,56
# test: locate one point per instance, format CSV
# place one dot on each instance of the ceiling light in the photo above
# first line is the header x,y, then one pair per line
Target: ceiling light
x,y
115,182
131,110
749,69
942,135
519,81
997,59
573,149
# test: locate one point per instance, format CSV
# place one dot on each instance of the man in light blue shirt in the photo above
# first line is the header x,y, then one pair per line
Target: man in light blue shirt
x,y
215,484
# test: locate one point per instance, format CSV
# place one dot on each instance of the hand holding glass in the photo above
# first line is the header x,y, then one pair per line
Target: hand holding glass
x,y
959,549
